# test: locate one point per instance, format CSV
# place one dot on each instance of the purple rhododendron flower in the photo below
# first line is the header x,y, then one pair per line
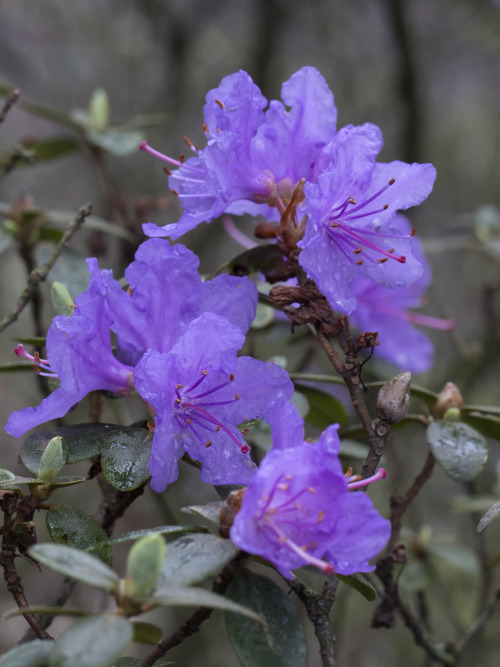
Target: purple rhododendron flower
x,y
351,230
200,391
298,509
166,293
386,311
253,158
80,355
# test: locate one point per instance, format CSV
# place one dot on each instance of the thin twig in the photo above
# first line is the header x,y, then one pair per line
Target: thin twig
x,y
192,624
40,274
9,103
318,607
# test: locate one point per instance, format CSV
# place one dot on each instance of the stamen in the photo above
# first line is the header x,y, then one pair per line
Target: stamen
x,y
219,103
321,516
146,147
380,474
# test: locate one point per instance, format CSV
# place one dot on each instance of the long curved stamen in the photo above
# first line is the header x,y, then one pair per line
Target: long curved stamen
x,y
40,366
285,541
177,163
369,244
380,474
419,318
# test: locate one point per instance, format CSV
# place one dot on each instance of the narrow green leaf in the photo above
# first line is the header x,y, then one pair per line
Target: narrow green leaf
x,y
457,556
52,148
16,367
136,534
210,512
6,475
76,564
146,633
125,458
280,641
93,642
67,480
185,596
492,514
488,425
144,564
61,299
32,654
193,558
117,142
459,448
52,460
361,584
70,526
37,341
324,409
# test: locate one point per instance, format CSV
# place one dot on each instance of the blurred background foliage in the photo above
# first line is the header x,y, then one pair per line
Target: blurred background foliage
x,y
97,77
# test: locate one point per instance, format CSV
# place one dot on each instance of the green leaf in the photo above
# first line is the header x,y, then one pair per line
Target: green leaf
x,y
67,480
52,460
460,557
70,268
125,458
360,583
6,475
146,633
80,442
263,317
52,148
492,514
184,596
144,564
76,564
459,448
353,448
32,654
117,142
61,299
70,526
99,109
93,642
49,611
210,512
193,558
488,425
324,409
37,341
136,534
281,642
16,367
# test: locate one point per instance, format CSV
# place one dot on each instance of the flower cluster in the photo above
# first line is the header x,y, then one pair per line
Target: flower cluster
x,y
297,509
257,157
176,344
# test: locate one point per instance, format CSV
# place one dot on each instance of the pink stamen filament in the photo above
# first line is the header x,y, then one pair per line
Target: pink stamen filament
x,y
236,234
243,447
283,540
146,147
369,244
38,363
380,474
419,318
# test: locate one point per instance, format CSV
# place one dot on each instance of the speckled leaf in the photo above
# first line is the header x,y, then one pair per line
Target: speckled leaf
x,y
32,654
280,641
93,642
144,563
488,425
75,564
70,526
360,583
210,512
125,458
193,558
62,301
492,514
162,530
146,633
459,448
187,596
324,409
80,442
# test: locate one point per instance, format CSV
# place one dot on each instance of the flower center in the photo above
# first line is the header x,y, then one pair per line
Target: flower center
x,y
194,412
353,241
287,510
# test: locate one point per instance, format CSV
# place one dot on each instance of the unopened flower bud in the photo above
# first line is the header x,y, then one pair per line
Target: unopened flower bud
x,y
449,397
394,398
229,510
